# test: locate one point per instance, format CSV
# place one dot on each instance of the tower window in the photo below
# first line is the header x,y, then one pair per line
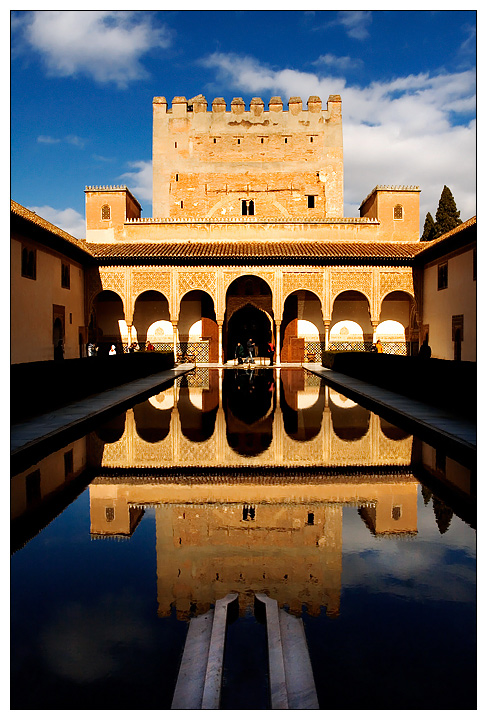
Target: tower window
x,y
214,140
105,212
311,519
311,201
177,177
398,212
175,144
262,141
311,139
396,512
181,203
285,140
247,207
248,512
110,514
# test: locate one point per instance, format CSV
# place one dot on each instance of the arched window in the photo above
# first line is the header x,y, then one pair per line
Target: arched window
x,y
28,268
105,212
398,212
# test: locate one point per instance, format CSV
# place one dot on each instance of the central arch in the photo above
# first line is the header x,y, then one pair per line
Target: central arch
x,y
248,315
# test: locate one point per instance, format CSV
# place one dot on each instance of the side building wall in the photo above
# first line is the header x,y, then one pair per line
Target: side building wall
x,y
451,307
38,301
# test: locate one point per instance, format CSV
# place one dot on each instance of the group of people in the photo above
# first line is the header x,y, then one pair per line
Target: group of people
x,y
241,356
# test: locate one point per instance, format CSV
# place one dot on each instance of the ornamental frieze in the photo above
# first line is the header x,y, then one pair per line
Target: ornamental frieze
x,y
143,280
230,276
205,280
104,279
393,280
312,281
342,281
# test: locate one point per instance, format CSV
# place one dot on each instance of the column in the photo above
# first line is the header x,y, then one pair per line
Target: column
x,y
278,342
374,324
327,324
175,340
220,342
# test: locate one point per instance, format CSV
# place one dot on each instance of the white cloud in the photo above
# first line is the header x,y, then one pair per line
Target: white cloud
x,y
70,139
338,63
355,22
140,179
68,220
106,45
401,132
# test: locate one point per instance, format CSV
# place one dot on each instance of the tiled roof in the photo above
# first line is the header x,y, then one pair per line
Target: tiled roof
x,y
291,250
32,217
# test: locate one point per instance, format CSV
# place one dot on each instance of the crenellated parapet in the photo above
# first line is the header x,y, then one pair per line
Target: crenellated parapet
x,y
181,106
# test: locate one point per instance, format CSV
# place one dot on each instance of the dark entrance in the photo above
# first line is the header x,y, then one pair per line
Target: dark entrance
x,y
248,322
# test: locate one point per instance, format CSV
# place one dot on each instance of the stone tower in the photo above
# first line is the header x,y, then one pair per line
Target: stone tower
x,y
232,163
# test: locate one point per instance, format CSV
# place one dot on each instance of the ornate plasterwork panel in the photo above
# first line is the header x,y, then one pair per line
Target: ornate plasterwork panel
x,y
395,280
107,279
230,276
312,281
143,280
343,280
199,280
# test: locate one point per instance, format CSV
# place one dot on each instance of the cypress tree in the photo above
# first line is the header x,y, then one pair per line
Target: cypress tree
x,y
429,229
447,215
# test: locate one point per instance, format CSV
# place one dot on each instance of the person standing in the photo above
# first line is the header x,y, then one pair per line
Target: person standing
x,y
250,350
271,349
379,347
113,350
239,353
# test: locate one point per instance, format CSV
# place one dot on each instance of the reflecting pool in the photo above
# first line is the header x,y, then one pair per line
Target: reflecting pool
x,y
244,481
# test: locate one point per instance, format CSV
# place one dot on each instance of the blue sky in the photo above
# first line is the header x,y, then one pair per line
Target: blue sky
x,y
82,85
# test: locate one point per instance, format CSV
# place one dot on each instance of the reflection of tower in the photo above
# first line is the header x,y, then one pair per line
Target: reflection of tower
x,y
290,552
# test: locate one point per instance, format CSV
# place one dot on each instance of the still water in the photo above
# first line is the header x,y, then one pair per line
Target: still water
x,y
266,481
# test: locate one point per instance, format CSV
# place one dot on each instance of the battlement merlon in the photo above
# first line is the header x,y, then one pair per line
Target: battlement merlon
x,y
181,107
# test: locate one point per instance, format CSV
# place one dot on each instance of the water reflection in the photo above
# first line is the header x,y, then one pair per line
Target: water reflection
x,y
261,481
264,417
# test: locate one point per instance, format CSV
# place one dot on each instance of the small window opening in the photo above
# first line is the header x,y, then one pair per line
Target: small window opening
x,y
68,464
28,268
247,207
311,519
70,318
442,276
177,177
181,203
105,212
214,140
262,141
110,514
396,512
398,212
175,144
248,512
285,140
311,201
33,487
238,141
65,276
311,139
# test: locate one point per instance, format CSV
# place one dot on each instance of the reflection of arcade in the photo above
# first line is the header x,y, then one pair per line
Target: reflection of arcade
x,y
248,399
229,533
277,418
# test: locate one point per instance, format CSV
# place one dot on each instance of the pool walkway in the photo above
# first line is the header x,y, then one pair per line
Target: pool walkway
x,y
39,431
432,424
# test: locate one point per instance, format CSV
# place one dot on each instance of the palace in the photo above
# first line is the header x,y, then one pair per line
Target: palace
x,y
248,240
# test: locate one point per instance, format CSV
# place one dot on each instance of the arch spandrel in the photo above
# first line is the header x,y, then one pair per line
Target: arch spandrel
x,y
392,281
101,279
361,281
205,280
268,277
293,281
144,280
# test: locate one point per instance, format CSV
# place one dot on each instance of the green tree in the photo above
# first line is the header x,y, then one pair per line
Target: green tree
x,y
429,229
447,215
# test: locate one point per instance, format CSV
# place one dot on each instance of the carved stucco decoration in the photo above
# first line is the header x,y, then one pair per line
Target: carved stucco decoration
x,y
230,276
205,280
312,281
103,279
360,280
392,281
143,280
